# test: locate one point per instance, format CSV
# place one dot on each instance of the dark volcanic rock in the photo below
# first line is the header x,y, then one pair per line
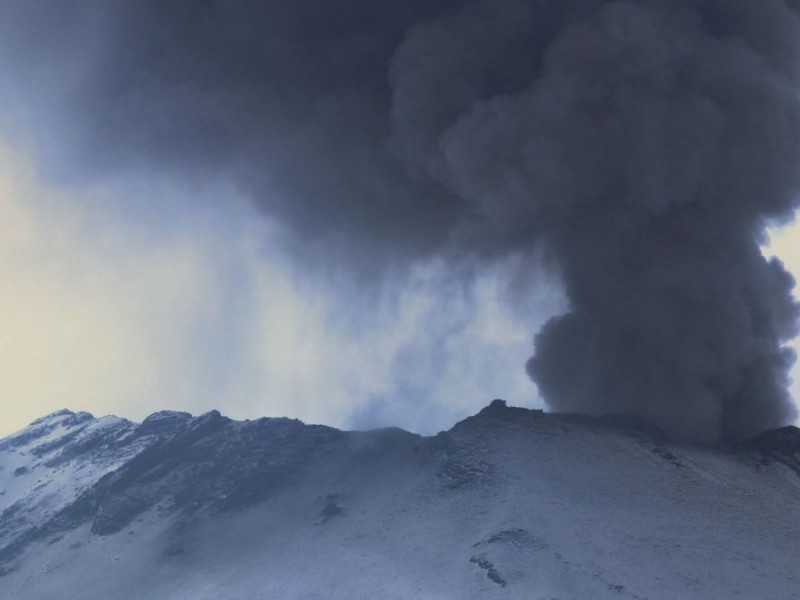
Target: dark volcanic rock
x,y
163,422
190,468
784,441
779,445
175,462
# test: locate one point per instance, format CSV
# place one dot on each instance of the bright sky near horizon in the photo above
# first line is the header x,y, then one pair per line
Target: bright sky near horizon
x,y
128,307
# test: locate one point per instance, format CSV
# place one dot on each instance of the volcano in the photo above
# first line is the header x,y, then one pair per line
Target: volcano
x,y
509,503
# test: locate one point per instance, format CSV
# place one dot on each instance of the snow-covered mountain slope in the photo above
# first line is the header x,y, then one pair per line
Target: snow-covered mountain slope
x,y
510,503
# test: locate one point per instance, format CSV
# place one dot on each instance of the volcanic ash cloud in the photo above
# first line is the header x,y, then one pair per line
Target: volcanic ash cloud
x,y
643,146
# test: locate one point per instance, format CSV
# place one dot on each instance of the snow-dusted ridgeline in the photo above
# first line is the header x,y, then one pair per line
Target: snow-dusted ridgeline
x,y
509,503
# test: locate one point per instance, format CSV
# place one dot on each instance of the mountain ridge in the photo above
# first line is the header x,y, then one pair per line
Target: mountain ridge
x,y
71,484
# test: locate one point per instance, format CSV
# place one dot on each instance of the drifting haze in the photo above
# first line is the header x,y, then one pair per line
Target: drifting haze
x,y
114,307
641,147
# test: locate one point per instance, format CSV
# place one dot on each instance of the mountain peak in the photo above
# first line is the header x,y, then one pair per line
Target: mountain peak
x,y
509,503
63,415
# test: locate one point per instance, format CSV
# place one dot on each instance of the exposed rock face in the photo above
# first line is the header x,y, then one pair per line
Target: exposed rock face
x,y
172,460
509,503
779,445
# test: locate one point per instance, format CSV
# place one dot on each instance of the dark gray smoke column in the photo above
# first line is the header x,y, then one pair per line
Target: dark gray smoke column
x,y
644,144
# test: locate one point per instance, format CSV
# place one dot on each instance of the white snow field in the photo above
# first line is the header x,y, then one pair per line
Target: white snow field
x,y
510,503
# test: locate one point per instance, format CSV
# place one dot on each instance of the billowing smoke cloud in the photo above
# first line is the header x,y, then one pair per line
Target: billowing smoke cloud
x,y
643,145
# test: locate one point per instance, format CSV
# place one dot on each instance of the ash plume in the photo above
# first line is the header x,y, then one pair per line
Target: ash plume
x,y
643,145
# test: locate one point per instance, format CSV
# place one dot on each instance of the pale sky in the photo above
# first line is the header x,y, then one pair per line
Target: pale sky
x,y
113,308
785,244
